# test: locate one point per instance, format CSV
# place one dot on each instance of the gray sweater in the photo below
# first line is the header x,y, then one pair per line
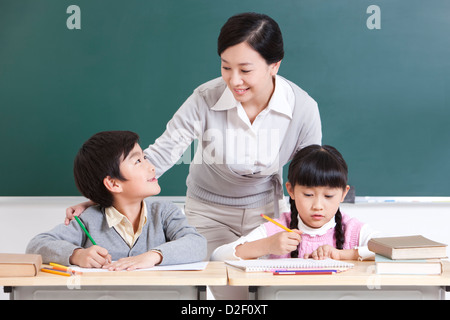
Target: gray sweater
x,y
166,230
217,183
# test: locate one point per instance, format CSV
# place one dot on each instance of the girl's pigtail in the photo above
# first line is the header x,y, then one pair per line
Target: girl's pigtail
x,y
294,223
339,230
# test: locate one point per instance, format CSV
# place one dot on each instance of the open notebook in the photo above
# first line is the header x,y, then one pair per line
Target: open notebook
x,y
287,264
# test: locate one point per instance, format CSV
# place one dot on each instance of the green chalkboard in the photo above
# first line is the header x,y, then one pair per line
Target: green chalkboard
x,y
381,77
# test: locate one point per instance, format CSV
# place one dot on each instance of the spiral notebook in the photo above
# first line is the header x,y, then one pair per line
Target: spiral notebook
x,y
260,265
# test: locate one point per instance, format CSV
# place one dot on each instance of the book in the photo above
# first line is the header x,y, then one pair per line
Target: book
x,y
408,247
420,267
19,265
260,265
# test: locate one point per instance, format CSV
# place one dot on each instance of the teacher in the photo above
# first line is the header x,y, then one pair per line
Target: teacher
x,y
249,123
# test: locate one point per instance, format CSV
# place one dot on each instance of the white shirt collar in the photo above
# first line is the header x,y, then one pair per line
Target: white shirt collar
x,y
280,101
226,101
316,232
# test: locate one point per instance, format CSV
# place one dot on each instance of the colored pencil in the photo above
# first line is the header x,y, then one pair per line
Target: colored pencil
x,y
59,267
85,230
61,273
56,266
276,223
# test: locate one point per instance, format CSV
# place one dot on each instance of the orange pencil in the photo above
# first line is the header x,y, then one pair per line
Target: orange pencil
x,y
56,272
59,267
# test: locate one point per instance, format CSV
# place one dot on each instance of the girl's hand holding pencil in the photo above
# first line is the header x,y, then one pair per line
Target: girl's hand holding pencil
x,y
280,243
283,242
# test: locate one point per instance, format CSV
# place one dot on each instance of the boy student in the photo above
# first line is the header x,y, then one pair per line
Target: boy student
x,y
111,170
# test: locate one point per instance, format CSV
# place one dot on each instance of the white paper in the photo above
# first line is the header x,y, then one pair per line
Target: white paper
x,y
175,267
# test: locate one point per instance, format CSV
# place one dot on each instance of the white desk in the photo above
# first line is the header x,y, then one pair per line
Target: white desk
x,y
361,282
161,285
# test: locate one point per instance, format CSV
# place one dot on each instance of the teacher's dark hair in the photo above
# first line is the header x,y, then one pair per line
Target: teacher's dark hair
x,y
318,166
260,31
99,157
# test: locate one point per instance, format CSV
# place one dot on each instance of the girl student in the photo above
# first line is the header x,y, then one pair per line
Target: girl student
x,y
317,184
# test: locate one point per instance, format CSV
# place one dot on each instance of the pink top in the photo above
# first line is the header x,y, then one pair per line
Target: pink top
x,y
352,228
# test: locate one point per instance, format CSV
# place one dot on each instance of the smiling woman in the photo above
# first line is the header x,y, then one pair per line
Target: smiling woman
x,y
252,83
225,198
251,51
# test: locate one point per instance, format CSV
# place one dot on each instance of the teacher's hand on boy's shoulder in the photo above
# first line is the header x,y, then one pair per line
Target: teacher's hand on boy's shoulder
x,y
76,210
284,242
92,257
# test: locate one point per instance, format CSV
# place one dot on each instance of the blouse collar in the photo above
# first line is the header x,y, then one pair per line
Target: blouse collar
x,y
279,102
316,231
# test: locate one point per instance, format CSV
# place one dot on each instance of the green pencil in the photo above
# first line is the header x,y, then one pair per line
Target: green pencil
x,y
85,230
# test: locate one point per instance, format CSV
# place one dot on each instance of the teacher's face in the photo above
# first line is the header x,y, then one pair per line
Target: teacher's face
x,y
248,75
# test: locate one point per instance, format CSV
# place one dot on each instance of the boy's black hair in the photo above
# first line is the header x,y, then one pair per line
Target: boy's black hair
x,y
99,157
318,166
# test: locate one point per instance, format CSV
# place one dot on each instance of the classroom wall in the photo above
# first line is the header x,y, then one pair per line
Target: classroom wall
x,y
23,217
381,78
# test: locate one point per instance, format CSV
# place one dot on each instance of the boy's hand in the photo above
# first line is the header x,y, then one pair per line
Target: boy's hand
x,y
323,252
284,242
92,257
142,261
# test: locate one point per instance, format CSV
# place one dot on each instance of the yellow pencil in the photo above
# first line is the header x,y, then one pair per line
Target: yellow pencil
x,y
61,273
59,266
274,222
56,266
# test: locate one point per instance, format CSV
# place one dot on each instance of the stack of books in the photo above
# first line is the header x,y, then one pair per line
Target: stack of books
x,y
408,255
